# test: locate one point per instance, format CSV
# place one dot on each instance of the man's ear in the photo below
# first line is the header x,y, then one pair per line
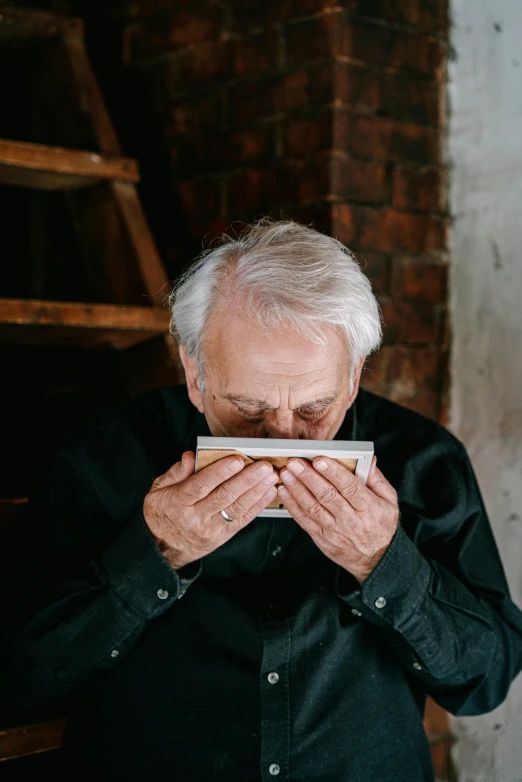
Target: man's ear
x,y
193,380
356,380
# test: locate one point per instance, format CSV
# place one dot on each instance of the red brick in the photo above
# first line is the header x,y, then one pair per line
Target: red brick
x,y
201,66
378,45
389,11
253,14
315,39
418,188
420,400
412,278
418,367
171,30
259,190
375,372
410,322
357,180
200,197
428,16
197,153
254,54
306,135
330,176
346,223
208,63
316,215
313,179
334,35
376,268
191,114
436,720
395,231
407,97
356,87
144,9
205,231
280,94
386,139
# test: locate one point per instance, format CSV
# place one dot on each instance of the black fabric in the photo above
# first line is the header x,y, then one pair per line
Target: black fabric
x,y
176,689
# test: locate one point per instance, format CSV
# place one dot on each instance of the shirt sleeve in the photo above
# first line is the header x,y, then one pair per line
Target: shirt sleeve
x,y
91,586
440,598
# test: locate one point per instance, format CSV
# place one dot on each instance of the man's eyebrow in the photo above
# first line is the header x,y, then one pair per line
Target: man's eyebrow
x,y
241,399
321,402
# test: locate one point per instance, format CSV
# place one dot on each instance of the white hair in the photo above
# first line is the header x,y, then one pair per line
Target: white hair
x,y
279,273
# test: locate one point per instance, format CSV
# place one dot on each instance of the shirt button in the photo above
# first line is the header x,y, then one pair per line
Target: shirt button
x,y
180,595
417,666
114,653
273,677
355,612
274,769
380,602
162,594
276,550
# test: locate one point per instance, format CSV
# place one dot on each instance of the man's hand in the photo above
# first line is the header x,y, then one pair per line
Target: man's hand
x,y
182,509
351,523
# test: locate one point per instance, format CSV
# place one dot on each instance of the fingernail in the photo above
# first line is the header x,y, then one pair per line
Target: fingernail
x,y
235,465
284,493
321,465
263,469
296,467
270,494
270,479
287,476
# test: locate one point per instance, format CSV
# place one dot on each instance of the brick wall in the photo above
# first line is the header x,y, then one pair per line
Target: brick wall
x,y
322,111
326,112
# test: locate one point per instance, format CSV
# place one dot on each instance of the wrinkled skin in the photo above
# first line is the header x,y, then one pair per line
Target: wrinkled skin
x,y
275,385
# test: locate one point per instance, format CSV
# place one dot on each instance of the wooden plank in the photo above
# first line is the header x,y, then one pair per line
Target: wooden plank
x,y
89,95
26,26
58,168
39,322
138,239
149,263
26,740
109,220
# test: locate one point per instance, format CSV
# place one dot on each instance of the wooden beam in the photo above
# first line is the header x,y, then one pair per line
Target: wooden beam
x,y
26,26
26,740
39,322
58,168
89,95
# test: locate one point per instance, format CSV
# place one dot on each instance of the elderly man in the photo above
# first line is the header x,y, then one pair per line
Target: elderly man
x,y
199,648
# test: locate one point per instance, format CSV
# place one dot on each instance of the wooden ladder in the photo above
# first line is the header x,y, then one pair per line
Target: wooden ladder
x,y
117,248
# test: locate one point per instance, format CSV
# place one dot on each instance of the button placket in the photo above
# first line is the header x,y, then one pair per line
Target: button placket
x,y
275,700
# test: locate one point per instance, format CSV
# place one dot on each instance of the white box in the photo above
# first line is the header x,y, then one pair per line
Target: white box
x,y
356,454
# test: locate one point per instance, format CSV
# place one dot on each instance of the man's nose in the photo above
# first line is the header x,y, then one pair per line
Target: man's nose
x,y
282,426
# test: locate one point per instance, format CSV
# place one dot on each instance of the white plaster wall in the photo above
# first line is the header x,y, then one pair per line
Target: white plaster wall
x,y
485,155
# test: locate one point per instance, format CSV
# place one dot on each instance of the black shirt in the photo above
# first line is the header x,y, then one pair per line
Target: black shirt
x,y
264,659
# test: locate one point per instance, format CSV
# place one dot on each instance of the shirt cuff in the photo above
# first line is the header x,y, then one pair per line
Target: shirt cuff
x,y
394,590
139,573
